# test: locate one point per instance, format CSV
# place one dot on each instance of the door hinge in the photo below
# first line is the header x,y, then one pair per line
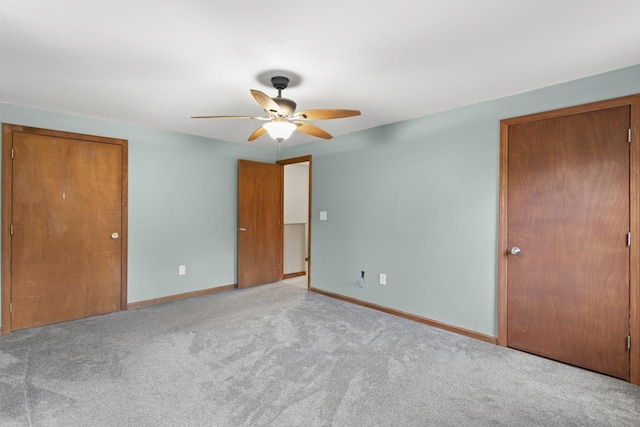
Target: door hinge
x,y
629,135
629,239
10,307
11,229
12,152
629,342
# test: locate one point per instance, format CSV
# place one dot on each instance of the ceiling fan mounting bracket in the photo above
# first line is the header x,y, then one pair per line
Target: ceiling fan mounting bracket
x,y
280,82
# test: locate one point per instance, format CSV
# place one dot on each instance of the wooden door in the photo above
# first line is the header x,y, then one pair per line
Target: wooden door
x,y
68,220
568,213
259,223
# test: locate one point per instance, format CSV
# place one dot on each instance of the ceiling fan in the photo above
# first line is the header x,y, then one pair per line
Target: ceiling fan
x,y
283,118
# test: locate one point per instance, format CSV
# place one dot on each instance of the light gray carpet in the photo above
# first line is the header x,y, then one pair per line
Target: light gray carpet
x,y
276,355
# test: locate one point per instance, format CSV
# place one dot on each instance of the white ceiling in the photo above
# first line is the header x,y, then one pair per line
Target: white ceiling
x,y
157,62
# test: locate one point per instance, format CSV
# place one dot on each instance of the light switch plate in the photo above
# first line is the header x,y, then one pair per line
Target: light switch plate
x,y
323,215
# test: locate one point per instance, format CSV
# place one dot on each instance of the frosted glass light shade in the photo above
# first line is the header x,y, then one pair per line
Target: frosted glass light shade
x,y
279,130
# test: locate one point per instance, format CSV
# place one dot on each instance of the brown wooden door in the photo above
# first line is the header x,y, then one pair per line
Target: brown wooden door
x,y
568,213
259,223
66,216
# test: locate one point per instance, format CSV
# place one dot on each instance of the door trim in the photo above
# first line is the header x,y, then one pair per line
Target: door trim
x,y
633,102
7,193
291,161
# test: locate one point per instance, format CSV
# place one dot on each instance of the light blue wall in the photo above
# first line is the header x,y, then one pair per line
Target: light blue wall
x,y
182,201
418,200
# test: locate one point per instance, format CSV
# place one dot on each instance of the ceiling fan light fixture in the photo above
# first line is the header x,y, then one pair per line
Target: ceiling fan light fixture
x,y
279,130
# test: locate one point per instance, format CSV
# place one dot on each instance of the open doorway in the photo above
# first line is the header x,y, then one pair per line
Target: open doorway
x,y
296,220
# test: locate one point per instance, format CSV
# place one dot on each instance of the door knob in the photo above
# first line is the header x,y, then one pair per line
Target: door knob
x,y
114,236
514,251
242,229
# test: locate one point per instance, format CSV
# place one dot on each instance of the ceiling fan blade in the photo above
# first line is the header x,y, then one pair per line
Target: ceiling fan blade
x,y
257,134
231,117
312,130
325,114
265,102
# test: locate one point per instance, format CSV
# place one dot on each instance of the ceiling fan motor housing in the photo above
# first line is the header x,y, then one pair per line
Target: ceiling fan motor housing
x,y
287,106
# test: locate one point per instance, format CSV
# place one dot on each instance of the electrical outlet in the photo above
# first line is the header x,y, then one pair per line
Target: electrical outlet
x,y
182,270
361,282
383,279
